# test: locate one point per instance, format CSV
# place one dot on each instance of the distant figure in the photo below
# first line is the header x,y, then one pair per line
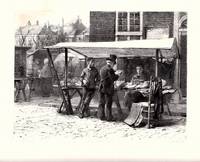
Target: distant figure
x,y
21,70
20,84
89,80
46,79
36,68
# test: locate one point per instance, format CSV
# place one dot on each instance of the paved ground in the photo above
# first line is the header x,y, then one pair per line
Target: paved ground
x,y
35,120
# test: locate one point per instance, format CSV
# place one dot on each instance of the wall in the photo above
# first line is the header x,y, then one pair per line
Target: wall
x,y
102,26
183,54
20,61
158,19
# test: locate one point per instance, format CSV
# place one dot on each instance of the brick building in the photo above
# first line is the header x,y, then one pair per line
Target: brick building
x,y
120,26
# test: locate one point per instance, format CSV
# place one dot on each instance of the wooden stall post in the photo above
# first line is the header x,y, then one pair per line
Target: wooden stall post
x,y
66,90
58,81
156,68
85,63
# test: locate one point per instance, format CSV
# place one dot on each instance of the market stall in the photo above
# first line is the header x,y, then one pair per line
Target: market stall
x,y
159,50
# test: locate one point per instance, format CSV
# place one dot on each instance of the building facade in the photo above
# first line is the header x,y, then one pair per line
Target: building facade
x,y
122,25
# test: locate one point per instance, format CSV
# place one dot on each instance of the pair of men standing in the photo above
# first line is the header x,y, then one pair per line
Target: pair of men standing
x,y
90,81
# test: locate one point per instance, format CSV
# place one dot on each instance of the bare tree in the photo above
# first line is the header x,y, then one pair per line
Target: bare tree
x,y
22,36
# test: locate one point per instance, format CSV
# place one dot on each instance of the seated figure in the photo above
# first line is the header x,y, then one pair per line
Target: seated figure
x,y
139,76
134,95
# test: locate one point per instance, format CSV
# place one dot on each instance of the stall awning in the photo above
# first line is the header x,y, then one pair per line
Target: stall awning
x,y
133,48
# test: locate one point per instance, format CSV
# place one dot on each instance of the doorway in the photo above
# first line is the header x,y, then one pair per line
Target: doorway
x,y
183,56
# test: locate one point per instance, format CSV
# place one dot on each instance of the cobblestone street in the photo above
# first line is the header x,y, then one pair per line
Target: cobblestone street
x,y
43,122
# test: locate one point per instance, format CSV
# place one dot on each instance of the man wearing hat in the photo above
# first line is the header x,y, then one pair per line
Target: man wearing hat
x,y
106,89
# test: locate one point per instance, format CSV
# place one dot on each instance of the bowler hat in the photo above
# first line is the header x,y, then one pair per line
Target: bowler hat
x,y
112,58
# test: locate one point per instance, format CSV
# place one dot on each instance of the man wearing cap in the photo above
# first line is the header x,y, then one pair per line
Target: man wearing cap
x,y
106,89
89,80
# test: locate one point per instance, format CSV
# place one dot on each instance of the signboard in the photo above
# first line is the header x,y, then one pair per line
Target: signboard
x,y
157,33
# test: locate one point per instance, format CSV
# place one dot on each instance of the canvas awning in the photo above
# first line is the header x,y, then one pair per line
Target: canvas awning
x,y
133,48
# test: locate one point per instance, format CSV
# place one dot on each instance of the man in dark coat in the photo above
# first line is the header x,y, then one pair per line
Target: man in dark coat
x,y
106,90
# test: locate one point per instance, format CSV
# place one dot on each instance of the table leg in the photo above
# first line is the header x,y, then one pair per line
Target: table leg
x,y
17,95
169,112
30,84
60,109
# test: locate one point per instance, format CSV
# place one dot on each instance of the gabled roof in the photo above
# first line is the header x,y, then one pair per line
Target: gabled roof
x,y
86,31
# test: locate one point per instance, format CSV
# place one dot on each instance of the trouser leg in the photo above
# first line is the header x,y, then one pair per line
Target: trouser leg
x,y
24,94
30,84
88,99
23,89
84,95
101,112
137,97
128,100
116,101
108,109
17,95
18,89
46,87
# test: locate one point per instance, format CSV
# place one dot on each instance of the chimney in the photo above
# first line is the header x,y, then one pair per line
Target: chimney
x,y
29,23
63,22
48,24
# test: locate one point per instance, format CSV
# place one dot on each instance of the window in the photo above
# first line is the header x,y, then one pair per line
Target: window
x,y
129,21
134,21
134,37
122,21
122,37
184,24
128,25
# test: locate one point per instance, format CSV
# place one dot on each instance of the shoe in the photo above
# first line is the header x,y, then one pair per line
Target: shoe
x,y
87,114
80,115
102,118
120,118
111,119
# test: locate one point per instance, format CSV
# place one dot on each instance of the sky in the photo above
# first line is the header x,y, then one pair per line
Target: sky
x,y
50,11
53,11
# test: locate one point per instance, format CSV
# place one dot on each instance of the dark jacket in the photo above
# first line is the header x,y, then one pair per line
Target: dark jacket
x,y
107,76
90,77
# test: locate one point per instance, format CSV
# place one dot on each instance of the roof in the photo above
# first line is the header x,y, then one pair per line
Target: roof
x,y
68,28
29,30
131,48
85,32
